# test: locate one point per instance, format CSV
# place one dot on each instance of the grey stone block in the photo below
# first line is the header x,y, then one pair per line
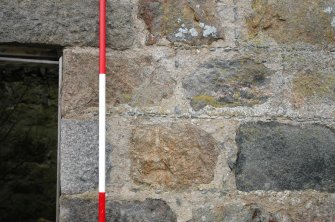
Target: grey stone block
x,y
120,25
150,210
228,83
275,156
64,23
238,213
252,213
79,156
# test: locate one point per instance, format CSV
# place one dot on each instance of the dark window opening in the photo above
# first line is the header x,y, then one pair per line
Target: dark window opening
x,y
28,133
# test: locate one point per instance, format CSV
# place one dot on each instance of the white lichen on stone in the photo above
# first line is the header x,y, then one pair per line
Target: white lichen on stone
x,y
193,32
328,10
181,32
209,31
333,22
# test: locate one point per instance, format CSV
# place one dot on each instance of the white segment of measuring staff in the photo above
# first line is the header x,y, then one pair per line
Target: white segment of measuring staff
x,y
102,131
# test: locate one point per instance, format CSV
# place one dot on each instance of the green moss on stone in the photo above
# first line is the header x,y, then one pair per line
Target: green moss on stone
x,y
309,85
126,97
199,102
228,83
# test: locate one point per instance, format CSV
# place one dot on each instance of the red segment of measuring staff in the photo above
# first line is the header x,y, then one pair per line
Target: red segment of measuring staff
x,y
102,37
102,207
102,111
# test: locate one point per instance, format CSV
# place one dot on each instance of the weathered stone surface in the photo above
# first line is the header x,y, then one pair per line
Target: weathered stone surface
x,y
310,82
238,212
160,85
228,83
310,85
317,210
293,21
192,22
68,22
120,24
79,156
150,210
174,157
252,213
274,156
133,77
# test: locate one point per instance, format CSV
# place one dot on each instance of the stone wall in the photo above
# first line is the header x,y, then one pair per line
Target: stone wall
x,y
217,110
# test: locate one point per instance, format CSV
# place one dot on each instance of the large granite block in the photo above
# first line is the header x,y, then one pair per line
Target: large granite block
x,y
175,157
276,156
149,210
293,21
193,22
134,77
64,23
222,83
79,156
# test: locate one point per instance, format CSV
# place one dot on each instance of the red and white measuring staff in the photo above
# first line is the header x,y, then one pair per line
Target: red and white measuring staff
x,y
102,111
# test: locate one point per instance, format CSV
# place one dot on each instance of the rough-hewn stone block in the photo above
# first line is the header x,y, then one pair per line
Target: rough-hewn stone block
x,y
318,210
133,77
228,83
293,21
310,82
192,22
173,157
67,22
312,85
238,212
150,210
79,156
275,156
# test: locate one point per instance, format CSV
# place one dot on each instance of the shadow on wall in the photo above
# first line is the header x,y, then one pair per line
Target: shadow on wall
x,y
28,135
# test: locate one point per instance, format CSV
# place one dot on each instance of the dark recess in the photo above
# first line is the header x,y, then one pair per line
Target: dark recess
x,y
28,134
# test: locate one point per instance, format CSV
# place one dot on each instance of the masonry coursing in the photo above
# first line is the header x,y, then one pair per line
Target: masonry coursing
x,y
216,110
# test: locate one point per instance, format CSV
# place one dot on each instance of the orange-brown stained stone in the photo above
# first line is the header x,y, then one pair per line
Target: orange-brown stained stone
x,y
174,157
294,21
309,85
124,74
190,21
132,77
